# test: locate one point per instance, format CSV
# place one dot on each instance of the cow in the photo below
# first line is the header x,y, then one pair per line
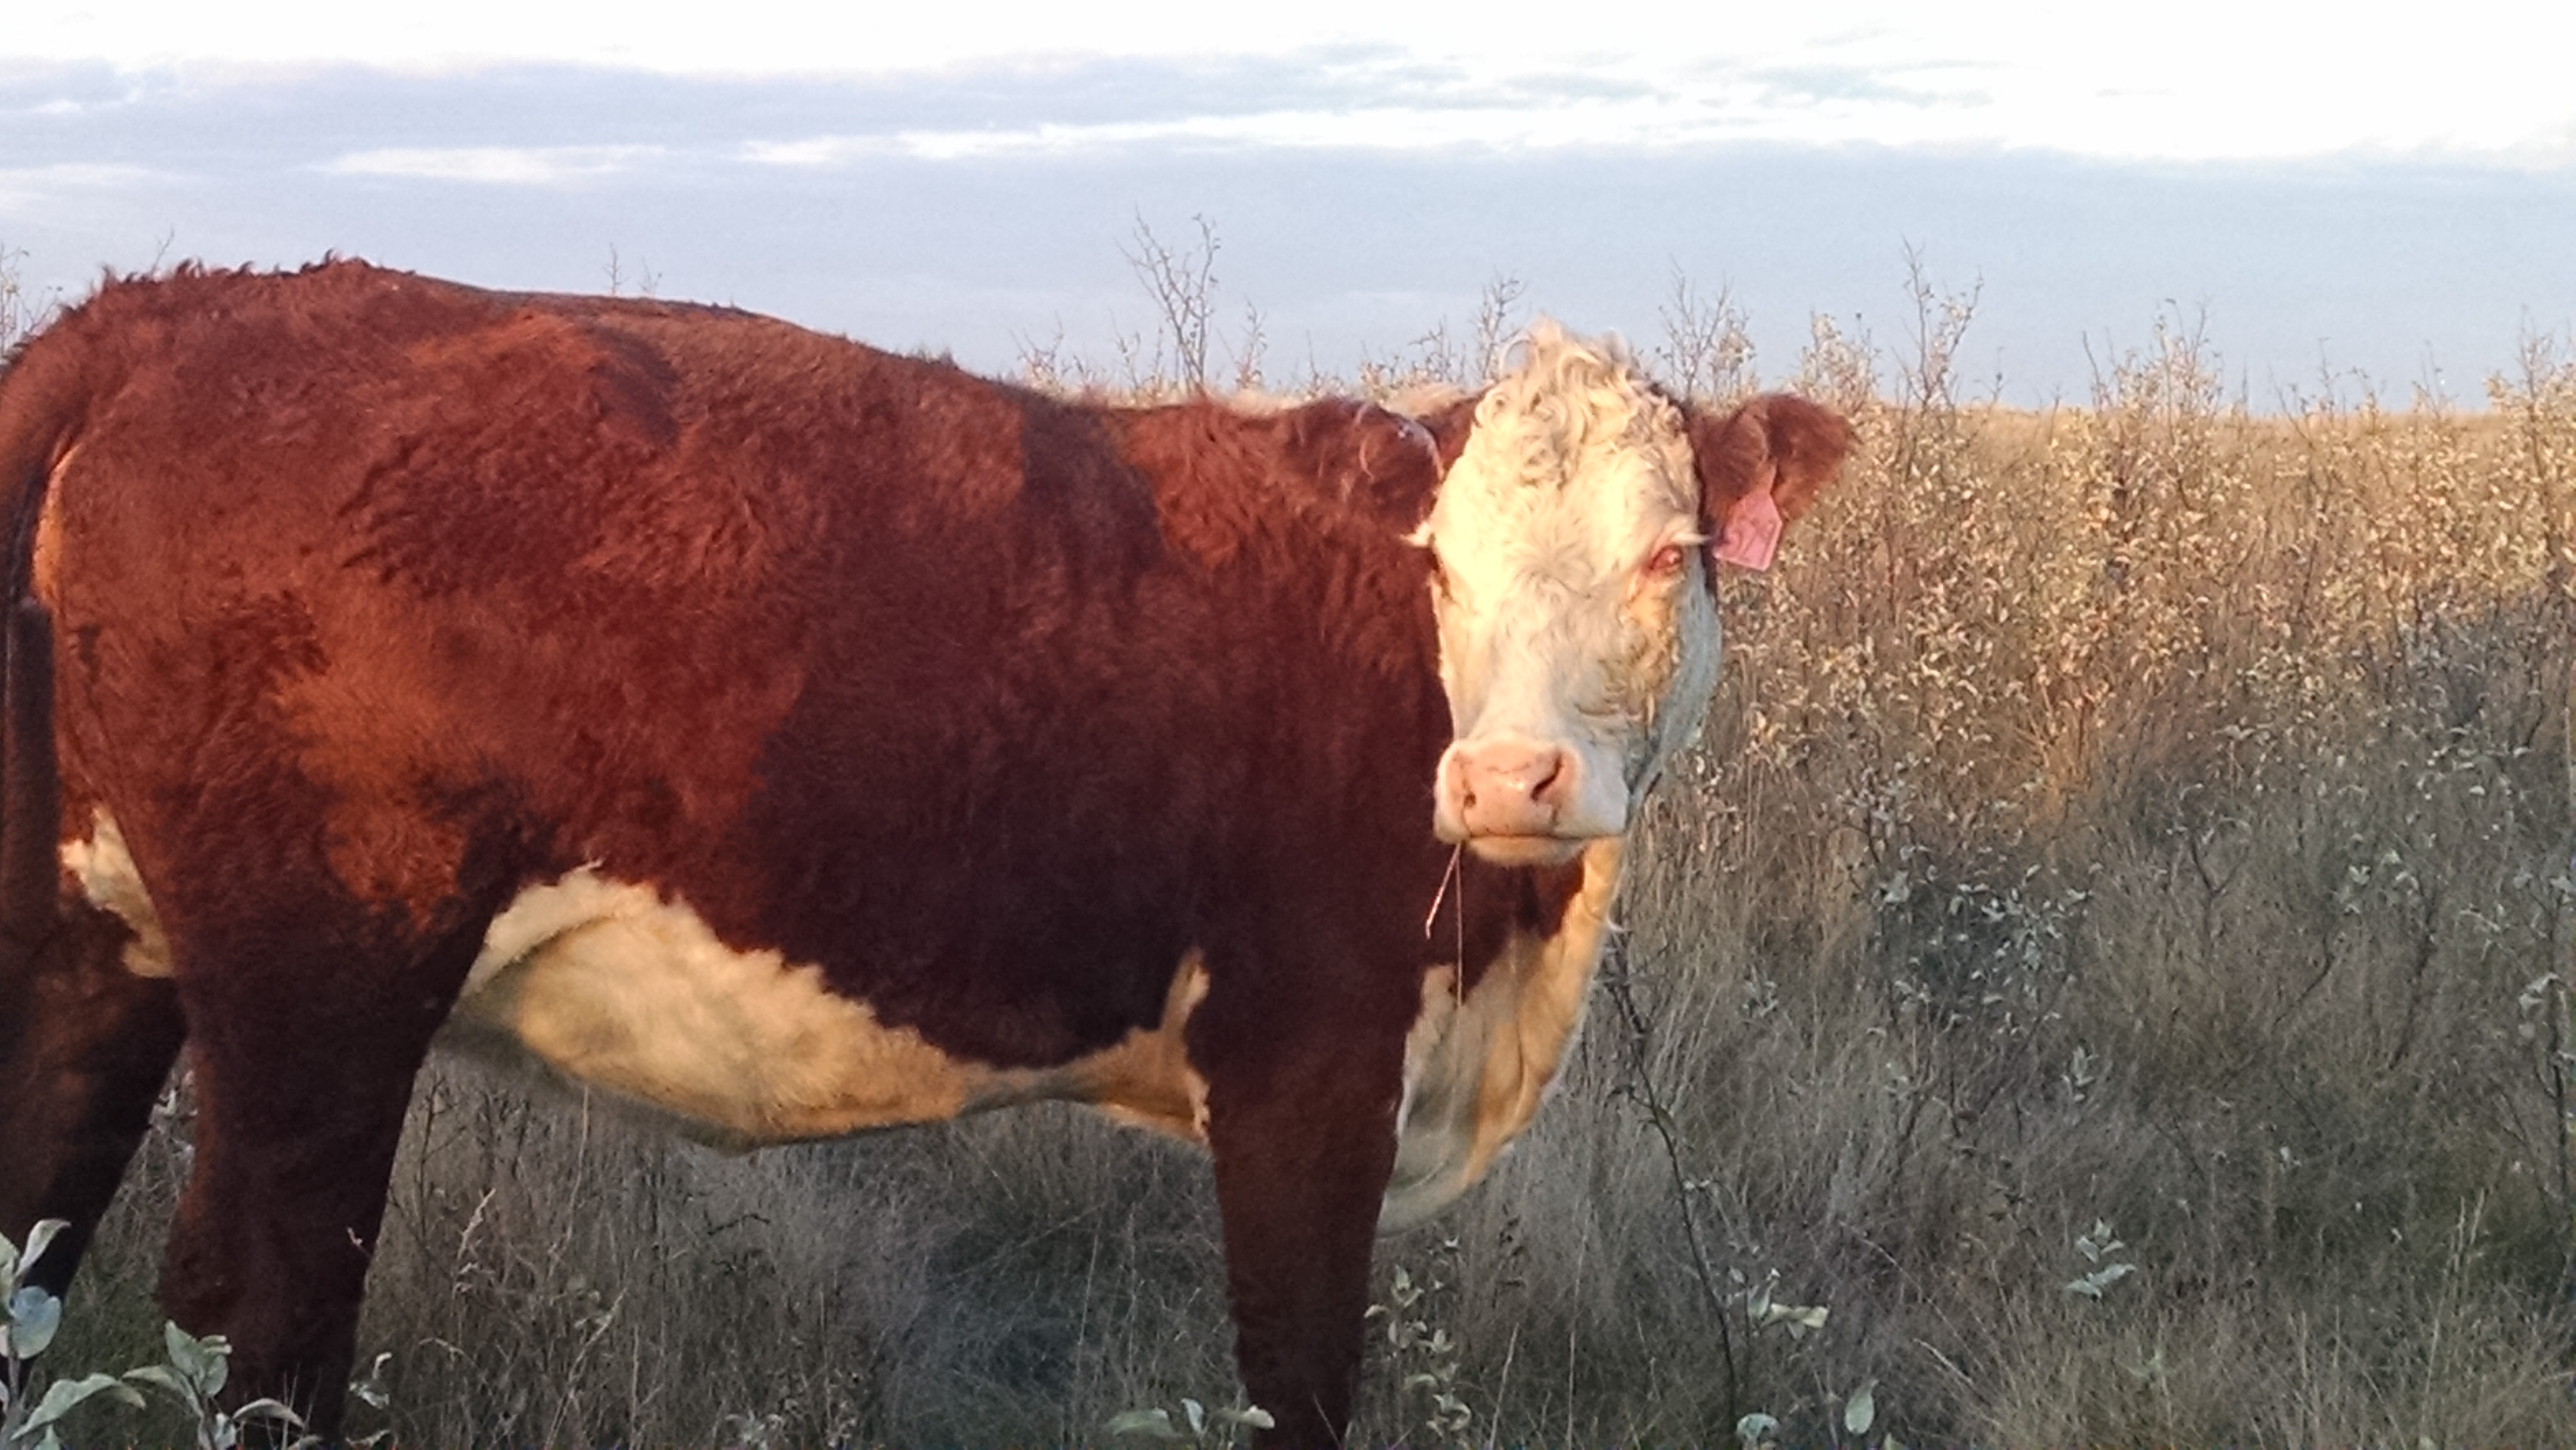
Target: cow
x,y
792,738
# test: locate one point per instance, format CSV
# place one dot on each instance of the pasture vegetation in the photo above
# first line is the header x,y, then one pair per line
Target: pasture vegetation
x,y
2103,979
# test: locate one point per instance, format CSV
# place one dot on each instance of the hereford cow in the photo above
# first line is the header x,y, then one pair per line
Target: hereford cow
x,y
795,739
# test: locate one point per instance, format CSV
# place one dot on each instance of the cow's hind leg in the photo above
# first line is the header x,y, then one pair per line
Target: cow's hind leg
x,y
304,1064
85,1046
84,1043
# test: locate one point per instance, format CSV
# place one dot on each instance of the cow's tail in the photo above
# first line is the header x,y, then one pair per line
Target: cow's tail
x,y
39,409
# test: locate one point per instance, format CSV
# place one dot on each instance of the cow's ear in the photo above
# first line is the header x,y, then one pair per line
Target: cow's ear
x,y
1380,462
1760,467
1449,424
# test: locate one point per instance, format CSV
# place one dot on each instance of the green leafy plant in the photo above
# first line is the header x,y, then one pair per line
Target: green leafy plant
x,y
1765,1310
1197,1425
192,1373
1426,1354
2098,1249
34,1315
194,1376
749,1431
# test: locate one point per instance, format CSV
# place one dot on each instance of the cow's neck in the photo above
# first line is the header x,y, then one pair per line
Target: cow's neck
x,y
1482,1055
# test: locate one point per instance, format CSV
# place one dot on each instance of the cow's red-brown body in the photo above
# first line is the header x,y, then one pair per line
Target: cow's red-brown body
x,y
793,736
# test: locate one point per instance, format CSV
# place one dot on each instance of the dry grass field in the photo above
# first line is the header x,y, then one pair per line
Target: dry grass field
x,y
2101,981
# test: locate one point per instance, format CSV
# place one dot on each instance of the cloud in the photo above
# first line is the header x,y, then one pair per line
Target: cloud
x,y
30,186
2185,80
1361,128
495,165
823,151
1787,110
1874,88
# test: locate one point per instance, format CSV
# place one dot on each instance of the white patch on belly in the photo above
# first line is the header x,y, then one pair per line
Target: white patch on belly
x,y
613,985
107,878
1146,1081
1475,1070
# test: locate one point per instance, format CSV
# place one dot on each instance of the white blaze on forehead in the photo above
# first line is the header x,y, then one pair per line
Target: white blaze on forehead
x,y
611,984
1574,474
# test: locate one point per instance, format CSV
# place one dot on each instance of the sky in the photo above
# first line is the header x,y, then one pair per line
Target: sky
x,y
2330,201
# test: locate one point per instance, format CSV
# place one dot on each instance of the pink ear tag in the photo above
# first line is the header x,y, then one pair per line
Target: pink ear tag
x,y
1750,533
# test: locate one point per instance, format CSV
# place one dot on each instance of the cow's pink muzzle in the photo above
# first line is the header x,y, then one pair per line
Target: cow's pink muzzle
x,y
1508,799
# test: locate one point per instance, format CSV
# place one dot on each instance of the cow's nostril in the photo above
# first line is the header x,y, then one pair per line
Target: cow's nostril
x,y
1513,787
1550,770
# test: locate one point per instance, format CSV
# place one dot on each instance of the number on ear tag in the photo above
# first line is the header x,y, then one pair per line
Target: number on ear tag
x,y
1750,533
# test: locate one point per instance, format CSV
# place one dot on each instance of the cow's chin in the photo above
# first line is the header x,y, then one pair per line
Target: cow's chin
x,y
1527,850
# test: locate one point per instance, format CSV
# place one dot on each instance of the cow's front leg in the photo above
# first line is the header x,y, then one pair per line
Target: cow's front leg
x,y
1302,1126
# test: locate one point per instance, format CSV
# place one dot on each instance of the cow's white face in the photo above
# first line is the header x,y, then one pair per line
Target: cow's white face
x,y
1578,631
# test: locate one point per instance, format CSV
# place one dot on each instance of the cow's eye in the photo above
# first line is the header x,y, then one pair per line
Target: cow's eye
x,y
1439,574
1665,562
